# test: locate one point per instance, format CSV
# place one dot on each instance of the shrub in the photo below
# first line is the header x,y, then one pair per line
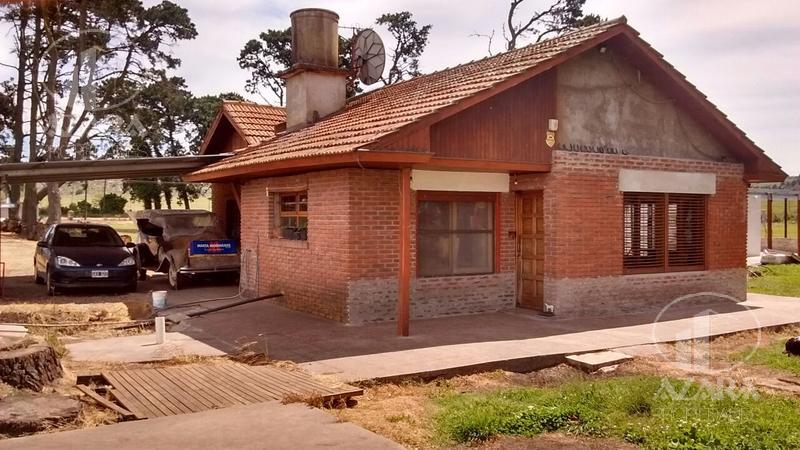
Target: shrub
x,y
112,204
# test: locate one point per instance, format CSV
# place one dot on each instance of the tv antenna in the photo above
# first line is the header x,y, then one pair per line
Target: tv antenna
x,y
368,56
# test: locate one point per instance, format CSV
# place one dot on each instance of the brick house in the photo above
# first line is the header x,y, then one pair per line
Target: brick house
x,y
582,175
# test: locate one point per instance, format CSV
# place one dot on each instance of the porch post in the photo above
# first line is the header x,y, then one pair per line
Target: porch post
x,y
403,301
797,222
769,221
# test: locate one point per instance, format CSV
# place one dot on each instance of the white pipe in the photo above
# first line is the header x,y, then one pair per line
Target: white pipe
x,y
161,330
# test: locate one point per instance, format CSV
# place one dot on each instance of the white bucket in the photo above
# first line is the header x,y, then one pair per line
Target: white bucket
x,y
159,299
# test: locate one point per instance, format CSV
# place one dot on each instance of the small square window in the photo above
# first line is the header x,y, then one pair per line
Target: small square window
x,y
291,211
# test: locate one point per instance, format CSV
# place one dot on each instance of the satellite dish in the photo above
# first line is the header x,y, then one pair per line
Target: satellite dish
x,y
368,56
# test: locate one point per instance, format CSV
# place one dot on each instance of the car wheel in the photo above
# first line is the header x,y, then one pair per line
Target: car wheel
x,y
51,288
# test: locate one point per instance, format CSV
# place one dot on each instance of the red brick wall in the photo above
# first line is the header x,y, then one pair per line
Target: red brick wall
x,y
311,273
352,238
583,212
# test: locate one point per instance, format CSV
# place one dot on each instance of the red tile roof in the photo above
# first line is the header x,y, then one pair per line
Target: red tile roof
x,y
374,115
255,122
370,116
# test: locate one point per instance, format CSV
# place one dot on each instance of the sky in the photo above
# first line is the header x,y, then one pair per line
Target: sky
x,y
744,55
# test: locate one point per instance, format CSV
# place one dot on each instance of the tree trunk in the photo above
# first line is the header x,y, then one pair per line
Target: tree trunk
x,y
148,204
185,199
32,368
51,116
168,197
19,105
30,211
53,203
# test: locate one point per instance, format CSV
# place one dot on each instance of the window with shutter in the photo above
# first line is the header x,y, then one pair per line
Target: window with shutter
x,y
663,232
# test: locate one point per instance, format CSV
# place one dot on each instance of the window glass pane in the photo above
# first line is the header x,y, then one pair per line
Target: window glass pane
x,y
303,201
473,252
433,254
303,222
434,215
290,222
288,203
473,216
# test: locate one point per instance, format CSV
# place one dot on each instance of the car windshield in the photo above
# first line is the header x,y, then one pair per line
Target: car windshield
x,y
84,236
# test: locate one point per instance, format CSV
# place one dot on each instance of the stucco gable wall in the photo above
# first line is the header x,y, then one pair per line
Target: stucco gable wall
x,y
604,101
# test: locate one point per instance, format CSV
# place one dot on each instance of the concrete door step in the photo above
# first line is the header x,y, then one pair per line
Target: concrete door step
x,y
592,362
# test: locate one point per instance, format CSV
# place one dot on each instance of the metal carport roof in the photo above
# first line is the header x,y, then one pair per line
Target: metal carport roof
x,y
104,169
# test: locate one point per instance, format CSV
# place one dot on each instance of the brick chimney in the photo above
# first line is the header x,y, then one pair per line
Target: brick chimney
x,y
315,86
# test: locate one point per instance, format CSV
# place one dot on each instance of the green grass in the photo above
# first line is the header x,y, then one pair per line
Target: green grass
x,y
783,279
122,227
777,230
771,356
633,409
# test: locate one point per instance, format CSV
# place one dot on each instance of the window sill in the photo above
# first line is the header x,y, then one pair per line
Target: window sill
x,y
676,271
287,243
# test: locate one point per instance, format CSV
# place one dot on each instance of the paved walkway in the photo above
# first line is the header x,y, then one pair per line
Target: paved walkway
x,y
758,311
265,425
140,348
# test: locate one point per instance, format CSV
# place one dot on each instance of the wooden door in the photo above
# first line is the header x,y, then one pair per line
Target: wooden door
x,y
530,250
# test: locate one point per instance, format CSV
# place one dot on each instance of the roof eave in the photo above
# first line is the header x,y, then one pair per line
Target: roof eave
x,y
372,159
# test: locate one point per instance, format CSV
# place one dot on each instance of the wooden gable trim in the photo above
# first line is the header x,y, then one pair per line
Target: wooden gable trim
x,y
504,85
758,166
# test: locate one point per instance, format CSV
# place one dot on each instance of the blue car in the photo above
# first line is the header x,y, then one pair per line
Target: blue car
x,y
77,255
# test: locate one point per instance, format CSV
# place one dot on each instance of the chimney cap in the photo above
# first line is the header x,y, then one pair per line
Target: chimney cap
x,y
322,11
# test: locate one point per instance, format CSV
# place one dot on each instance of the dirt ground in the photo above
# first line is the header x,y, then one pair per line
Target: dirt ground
x,y
24,301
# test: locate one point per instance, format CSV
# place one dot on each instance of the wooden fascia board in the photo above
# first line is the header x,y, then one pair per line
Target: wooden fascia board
x,y
482,165
502,86
349,159
699,100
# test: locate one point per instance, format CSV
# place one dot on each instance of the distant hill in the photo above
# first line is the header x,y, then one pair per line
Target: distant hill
x,y
72,192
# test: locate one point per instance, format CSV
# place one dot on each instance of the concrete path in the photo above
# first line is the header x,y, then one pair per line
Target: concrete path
x,y
759,311
140,348
265,425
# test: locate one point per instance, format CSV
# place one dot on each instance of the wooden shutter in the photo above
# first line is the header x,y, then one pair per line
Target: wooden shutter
x,y
644,232
663,232
687,231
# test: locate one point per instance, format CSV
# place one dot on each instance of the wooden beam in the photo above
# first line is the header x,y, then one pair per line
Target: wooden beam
x,y
126,415
785,217
237,195
404,274
482,165
769,222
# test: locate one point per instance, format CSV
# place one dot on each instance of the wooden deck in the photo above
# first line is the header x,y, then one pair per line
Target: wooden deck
x,y
168,391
